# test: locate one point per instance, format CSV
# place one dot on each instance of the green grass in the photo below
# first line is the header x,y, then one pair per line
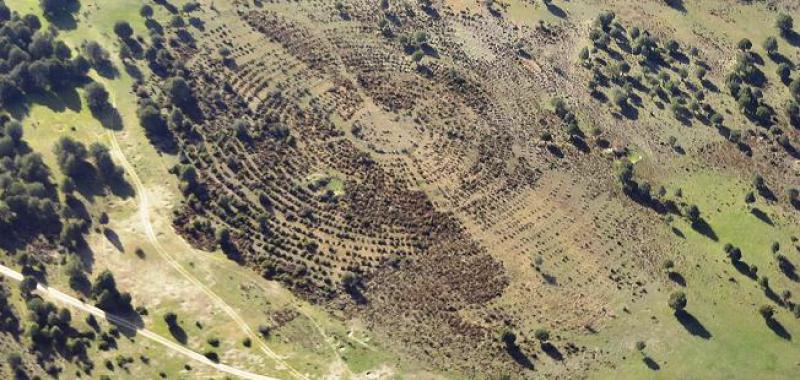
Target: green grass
x,y
726,308
47,121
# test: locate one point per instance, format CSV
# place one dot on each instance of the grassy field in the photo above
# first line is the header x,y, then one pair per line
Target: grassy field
x,y
724,338
312,342
722,300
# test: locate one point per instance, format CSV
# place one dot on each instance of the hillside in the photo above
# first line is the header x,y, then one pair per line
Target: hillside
x,y
400,189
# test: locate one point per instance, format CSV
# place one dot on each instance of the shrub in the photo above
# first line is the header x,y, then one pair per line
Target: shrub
x,y
620,98
171,319
52,8
95,54
71,156
151,120
744,44
96,96
784,71
771,45
542,335
766,311
677,301
146,11
693,213
763,282
123,29
784,23
178,90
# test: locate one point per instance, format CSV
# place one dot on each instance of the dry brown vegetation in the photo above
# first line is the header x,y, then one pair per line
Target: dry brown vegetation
x,y
401,163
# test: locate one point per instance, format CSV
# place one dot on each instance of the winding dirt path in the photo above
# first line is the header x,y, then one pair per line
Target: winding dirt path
x,y
144,215
120,321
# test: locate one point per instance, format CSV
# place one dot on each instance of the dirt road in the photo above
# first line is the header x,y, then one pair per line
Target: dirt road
x,y
144,215
75,303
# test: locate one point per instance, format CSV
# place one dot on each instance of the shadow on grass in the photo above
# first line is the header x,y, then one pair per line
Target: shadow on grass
x,y
178,333
120,187
109,117
762,216
677,278
773,296
788,269
555,10
692,325
650,363
778,329
518,356
65,18
702,227
552,351
744,269
113,238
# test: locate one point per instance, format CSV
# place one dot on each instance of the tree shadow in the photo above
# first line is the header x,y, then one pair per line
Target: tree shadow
x,y
232,253
555,150
756,58
137,51
58,101
744,269
650,363
778,329
552,351
630,112
761,215
518,356
178,333
767,193
769,293
76,208
356,294
792,37
197,23
429,50
555,10
86,256
132,318
106,69
185,36
677,278
702,227
792,151
599,96
164,140
81,285
65,19
549,279
109,117
676,5
432,12
788,269
692,325
678,233
580,144
120,187
167,5
154,26
114,239
710,86
744,148
88,182
779,58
